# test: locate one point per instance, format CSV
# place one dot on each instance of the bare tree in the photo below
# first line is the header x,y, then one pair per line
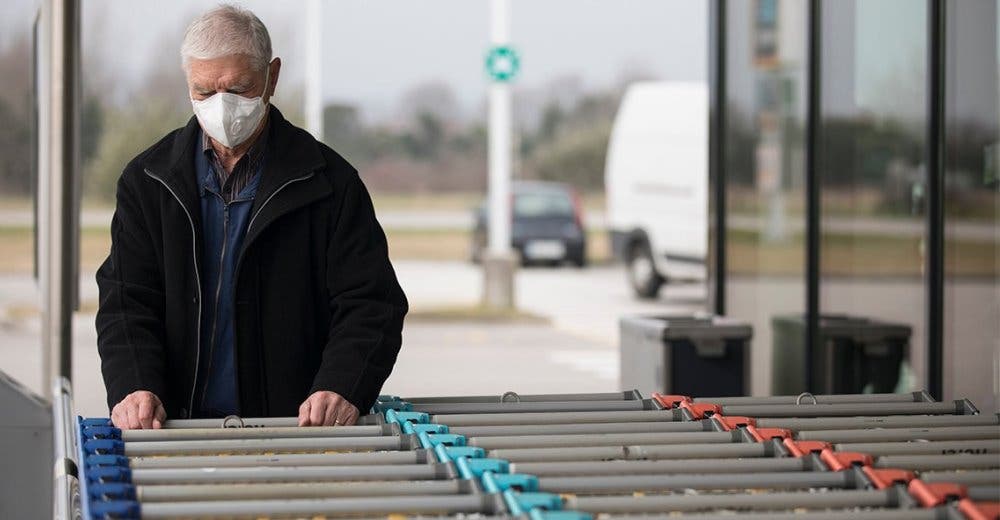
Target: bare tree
x,y
434,98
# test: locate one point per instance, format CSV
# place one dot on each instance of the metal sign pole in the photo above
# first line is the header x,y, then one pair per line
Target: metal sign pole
x,y
499,261
59,210
314,69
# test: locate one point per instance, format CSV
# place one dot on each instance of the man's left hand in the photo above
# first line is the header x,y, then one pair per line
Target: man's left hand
x,y
325,408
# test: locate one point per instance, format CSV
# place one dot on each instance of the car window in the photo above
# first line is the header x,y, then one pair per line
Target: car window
x,y
543,204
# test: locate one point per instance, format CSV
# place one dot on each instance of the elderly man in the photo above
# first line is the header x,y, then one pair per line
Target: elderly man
x,y
247,273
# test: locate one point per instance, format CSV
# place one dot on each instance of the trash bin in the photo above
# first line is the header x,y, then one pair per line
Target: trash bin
x,y
853,355
685,355
26,449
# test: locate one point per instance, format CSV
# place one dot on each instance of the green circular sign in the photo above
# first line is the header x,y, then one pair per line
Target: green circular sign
x,y
502,63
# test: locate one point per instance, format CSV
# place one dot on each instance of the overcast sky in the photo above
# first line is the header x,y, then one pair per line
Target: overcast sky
x,y
373,50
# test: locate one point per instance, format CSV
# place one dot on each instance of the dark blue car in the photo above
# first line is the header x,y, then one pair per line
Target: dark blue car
x,y
547,227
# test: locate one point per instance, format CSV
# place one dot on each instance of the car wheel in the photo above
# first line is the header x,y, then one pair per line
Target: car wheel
x,y
580,261
642,273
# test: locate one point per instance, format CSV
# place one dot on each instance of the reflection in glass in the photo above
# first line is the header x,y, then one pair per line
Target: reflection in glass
x,y
766,70
972,204
20,300
872,172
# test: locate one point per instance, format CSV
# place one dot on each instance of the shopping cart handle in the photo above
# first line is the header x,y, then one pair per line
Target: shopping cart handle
x,y
521,503
733,422
429,440
104,447
700,411
111,491
106,460
401,406
105,474
884,478
766,434
119,509
670,401
803,448
474,468
450,453
979,510
409,427
400,417
538,514
843,460
102,432
933,494
518,481
95,421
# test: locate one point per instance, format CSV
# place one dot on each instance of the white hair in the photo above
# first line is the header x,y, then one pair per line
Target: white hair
x,y
227,30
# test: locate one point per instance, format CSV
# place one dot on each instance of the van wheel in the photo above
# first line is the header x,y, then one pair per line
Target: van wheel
x,y
478,246
642,273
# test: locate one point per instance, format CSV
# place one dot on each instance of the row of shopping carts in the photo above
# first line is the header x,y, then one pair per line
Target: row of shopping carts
x,y
553,457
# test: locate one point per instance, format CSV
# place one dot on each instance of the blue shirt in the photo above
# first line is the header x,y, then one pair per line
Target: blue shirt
x,y
225,217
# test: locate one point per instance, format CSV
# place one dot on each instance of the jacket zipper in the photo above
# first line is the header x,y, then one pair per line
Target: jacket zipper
x,y
197,277
218,289
197,274
218,292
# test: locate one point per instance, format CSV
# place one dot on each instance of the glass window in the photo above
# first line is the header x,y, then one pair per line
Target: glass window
x,y
543,203
872,173
766,72
20,297
972,204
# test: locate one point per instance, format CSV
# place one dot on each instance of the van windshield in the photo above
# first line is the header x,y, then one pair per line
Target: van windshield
x,y
548,203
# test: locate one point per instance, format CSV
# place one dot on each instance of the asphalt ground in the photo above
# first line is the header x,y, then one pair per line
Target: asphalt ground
x,y
571,345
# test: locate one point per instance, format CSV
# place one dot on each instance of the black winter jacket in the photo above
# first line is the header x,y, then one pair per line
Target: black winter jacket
x,y
317,304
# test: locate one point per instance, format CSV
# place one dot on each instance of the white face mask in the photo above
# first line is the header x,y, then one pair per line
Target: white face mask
x,y
230,118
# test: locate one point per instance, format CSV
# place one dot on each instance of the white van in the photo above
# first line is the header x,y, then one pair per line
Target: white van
x,y
656,179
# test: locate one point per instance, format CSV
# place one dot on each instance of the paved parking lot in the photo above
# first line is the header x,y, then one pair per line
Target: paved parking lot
x,y
582,302
576,349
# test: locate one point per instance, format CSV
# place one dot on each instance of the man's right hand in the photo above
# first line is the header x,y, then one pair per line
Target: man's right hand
x,y
139,410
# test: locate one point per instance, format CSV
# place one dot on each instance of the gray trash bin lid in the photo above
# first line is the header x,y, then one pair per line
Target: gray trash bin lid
x,y
859,329
689,326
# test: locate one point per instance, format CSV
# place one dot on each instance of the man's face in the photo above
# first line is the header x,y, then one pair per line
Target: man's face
x,y
233,74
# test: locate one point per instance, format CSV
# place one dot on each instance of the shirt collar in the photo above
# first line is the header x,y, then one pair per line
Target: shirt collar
x,y
256,149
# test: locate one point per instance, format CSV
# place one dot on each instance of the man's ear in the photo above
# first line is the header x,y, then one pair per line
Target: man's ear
x,y
275,70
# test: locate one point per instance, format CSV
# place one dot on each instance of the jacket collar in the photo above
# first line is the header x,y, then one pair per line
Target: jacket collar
x,y
171,161
292,154
289,168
